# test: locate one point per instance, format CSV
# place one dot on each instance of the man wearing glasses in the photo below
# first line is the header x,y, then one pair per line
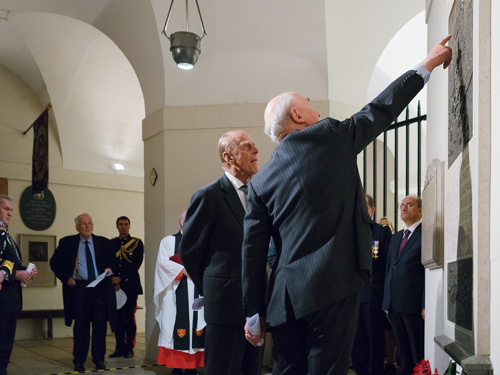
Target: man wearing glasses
x,y
77,262
404,297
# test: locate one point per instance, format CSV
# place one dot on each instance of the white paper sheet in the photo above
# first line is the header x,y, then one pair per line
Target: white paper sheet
x,y
97,280
253,325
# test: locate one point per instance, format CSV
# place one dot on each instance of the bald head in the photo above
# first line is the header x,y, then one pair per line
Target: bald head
x,y
238,154
288,112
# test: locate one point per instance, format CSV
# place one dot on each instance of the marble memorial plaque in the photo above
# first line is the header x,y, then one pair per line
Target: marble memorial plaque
x,y
460,79
432,216
460,87
460,293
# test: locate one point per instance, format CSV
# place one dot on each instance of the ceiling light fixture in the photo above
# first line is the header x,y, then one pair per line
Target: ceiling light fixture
x,y
118,167
184,45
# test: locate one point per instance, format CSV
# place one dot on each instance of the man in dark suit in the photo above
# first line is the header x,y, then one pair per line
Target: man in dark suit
x,y
211,253
12,274
129,253
309,198
369,350
77,261
404,291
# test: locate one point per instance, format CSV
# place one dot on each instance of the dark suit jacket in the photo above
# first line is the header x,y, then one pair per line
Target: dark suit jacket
x,y
211,250
11,298
373,291
129,264
63,262
309,198
405,277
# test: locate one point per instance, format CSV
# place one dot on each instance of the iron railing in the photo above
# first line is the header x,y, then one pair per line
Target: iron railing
x,y
392,155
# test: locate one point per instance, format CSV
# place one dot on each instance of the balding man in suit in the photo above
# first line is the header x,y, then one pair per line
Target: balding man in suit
x,y
404,291
77,261
211,253
309,199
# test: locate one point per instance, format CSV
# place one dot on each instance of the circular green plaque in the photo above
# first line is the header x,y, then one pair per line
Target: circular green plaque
x,y
37,211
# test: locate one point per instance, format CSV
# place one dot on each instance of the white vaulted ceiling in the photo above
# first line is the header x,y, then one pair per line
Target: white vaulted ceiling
x,y
104,65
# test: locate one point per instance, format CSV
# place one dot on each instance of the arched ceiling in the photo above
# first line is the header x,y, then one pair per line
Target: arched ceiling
x,y
104,65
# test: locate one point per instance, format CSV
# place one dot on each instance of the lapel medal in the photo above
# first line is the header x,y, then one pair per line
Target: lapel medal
x,y
375,249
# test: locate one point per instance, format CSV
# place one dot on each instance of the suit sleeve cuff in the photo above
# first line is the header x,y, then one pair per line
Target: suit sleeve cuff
x,y
422,72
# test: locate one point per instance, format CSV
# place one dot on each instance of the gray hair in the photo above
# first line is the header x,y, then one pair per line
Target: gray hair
x,y
277,115
79,216
4,197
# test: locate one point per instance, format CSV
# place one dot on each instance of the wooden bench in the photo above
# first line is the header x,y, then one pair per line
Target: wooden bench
x,y
42,314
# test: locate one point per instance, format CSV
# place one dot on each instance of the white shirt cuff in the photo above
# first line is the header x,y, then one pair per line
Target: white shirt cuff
x,y
422,72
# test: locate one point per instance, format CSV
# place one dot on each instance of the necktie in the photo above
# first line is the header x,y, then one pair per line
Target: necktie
x,y
403,241
90,264
244,188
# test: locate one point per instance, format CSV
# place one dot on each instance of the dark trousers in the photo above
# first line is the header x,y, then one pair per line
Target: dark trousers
x,y
126,327
90,310
227,352
409,334
319,344
7,333
368,350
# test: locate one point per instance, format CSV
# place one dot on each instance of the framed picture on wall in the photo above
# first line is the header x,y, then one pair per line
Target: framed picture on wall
x,y
38,249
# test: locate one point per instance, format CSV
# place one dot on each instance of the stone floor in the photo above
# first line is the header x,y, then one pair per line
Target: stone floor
x,y
54,356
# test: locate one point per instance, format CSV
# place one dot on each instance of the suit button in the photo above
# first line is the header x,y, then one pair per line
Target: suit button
x,y
394,267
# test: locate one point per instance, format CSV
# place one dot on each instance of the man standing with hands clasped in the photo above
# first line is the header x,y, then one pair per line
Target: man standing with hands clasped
x,y
211,253
309,199
129,253
404,291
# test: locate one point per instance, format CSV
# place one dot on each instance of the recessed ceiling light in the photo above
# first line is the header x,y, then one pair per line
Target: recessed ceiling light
x,y
118,167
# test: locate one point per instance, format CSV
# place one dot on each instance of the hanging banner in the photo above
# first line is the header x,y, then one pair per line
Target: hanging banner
x,y
40,170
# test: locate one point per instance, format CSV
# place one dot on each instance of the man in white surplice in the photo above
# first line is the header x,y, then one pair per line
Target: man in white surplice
x,y
168,276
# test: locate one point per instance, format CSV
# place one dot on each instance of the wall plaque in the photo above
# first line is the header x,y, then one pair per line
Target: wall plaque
x,y
38,250
37,211
460,79
433,216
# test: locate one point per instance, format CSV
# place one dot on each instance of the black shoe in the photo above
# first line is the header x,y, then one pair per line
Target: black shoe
x,y
100,365
79,367
390,369
128,354
115,354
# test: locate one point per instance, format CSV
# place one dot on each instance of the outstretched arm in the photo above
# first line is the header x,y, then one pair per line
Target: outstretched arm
x,y
440,55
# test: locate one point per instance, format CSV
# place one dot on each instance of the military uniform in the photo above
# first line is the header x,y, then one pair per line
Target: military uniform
x,y
10,296
129,254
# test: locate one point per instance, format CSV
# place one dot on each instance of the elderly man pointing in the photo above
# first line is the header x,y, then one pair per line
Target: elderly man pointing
x,y
309,199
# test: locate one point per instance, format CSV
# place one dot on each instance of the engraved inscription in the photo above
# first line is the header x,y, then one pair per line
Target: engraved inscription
x,y
460,293
460,79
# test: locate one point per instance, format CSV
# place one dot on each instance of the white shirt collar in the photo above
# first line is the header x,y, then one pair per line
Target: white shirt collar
x,y
414,226
234,181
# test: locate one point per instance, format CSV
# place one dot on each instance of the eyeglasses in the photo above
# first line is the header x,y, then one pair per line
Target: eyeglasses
x,y
85,224
408,205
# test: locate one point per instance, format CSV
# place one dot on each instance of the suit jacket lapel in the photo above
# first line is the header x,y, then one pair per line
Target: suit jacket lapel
x,y
232,199
409,244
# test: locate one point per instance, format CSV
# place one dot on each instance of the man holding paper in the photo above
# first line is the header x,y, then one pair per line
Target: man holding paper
x,y
211,252
12,275
77,262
